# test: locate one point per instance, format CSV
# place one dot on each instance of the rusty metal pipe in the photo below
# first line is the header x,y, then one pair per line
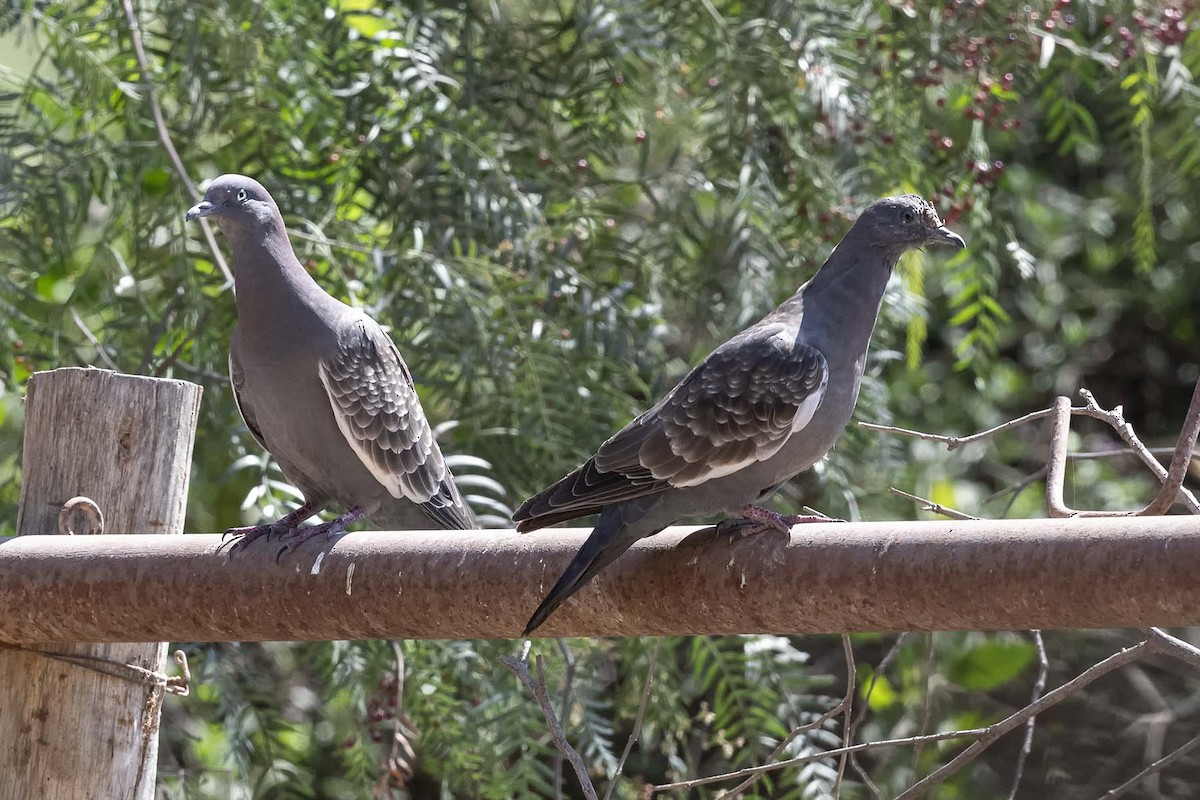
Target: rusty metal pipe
x,y
886,576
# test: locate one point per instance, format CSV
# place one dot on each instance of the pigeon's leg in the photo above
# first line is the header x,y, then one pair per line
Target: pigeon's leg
x,y
759,520
330,529
244,536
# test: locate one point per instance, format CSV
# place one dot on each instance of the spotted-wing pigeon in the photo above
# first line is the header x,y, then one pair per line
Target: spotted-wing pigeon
x,y
760,409
322,386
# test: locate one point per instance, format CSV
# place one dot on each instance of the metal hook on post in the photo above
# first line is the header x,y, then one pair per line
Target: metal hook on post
x,y
80,515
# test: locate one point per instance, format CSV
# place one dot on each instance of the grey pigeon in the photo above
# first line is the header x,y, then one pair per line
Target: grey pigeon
x,y
759,410
322,387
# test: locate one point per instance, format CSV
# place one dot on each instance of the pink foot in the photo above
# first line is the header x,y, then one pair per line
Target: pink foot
x,y
756,520
338,524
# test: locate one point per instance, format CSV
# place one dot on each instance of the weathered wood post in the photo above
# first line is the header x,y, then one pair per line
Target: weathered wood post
x,y
88,727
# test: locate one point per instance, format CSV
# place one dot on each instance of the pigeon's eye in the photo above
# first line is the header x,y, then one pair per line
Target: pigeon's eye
x,y
907,217
241,196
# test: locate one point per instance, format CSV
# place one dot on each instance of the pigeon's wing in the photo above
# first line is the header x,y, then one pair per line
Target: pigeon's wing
x,y
237,380
737,407
379,413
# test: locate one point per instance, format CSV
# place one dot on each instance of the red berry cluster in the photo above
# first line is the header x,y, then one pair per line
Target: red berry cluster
x,y
1166,24
381,710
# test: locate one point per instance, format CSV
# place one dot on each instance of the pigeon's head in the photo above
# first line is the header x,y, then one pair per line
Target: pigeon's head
x,y
907,221
235,201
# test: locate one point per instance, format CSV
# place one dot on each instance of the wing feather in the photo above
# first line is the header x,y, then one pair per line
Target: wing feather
x,y
377,409
237,380
736,408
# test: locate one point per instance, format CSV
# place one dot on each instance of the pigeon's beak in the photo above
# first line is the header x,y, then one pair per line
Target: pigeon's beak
x,y
943,235
201,209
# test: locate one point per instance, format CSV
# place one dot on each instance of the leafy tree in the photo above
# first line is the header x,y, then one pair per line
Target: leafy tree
x,y
558,206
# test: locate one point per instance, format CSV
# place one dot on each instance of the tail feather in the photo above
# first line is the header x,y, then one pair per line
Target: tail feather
x,y
609,540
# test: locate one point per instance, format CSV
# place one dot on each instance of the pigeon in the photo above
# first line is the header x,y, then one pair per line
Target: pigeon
x,y
760,409
322,387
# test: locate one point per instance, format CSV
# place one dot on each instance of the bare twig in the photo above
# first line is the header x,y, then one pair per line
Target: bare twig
x,y
1169,645
1056,465
929,505
880,669
1090,455
842,708
805,759
1152,769
164,137
927,709
398,769
563,709
996,730
1169,491
1039,686
637,720
91,337
779,748
1114,418
848,714
537,687
1172,488
955,442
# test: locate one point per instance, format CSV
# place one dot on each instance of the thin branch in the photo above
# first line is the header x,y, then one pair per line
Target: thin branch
x,y
792,762
1089,455
843,708
1153,769
1113,418
848,701
929,505
1169,491
164,137
1116,419
880,669
779,748
1169,645
996,730
955,442
91,337
637,720
1172,480
1056,464
927,710
1039,686
563,709
537,687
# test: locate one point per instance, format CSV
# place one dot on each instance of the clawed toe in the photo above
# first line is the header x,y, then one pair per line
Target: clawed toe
x,y
755,520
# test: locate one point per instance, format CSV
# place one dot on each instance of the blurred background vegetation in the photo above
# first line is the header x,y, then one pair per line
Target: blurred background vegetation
x,y
558,206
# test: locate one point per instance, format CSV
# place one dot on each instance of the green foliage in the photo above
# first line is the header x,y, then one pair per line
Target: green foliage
x,y
558,206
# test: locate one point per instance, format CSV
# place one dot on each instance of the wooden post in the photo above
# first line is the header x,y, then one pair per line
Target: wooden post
x,y
88,727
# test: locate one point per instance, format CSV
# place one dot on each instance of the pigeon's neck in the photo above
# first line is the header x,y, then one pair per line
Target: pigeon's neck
x,y
841,303
267,273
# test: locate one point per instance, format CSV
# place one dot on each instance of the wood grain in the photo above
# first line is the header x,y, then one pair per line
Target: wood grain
x,y
66,731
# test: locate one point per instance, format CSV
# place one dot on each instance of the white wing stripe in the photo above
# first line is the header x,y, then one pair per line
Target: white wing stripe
x,y
395,484
804,415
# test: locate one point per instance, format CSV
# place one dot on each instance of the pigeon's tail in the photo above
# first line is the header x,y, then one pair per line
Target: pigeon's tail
x,y
612,536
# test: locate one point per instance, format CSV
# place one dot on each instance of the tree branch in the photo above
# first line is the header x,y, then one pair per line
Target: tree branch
x,y
164,137
1172,488
637,720
1152,769
996,730
520,668
1039,686
929,505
